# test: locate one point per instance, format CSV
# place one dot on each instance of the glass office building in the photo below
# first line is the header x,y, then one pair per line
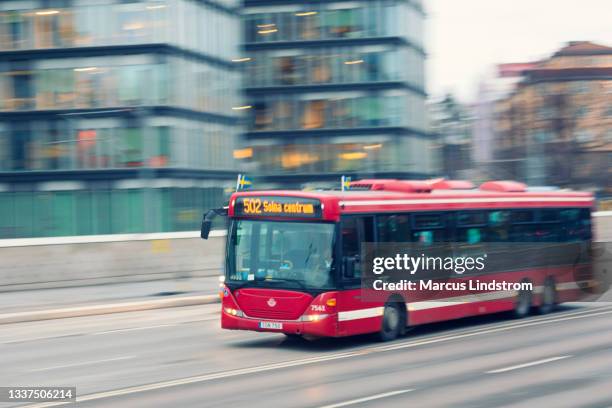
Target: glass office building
x,y
116,116
336,87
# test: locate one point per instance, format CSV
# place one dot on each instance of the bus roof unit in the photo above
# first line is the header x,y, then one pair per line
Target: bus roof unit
x,y
402,186
504,186
443,184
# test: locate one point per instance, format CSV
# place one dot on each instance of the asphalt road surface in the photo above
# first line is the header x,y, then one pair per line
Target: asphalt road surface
x,y
181,358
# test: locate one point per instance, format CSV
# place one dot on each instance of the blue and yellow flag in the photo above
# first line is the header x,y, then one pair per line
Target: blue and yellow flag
x,y
345,183
243,182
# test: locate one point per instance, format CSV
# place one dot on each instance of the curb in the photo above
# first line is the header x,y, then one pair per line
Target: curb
x,y
93,310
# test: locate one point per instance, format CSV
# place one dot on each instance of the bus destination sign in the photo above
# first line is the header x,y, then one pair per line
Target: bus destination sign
x,y
277,207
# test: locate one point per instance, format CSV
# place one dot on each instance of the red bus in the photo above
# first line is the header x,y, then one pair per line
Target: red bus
x,y
294,258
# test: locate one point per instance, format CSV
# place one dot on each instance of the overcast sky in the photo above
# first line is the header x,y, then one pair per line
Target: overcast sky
x,y
466,38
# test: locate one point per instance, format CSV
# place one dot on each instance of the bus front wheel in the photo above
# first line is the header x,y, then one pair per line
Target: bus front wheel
x,y
393,321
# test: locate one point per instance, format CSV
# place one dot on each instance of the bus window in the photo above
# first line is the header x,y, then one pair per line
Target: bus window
x,y
523,216
471,227
470,235
575,224
354,231
350,236
428,229
427,221
498,226
523,227
548,229
393,228
549,215
585,220
471,218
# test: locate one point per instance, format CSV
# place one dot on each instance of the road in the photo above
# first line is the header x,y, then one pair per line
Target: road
x,y
45,299
180,358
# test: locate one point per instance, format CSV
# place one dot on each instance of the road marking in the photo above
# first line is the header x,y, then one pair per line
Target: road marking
x,y
533,363
82,363
127,329
366,399
325,358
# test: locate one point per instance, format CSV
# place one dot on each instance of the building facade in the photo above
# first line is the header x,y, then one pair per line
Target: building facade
x,y
333,88
116,116
452,124
555,128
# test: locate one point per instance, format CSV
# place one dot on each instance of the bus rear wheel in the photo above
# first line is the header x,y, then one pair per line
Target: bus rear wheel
x,y
522,305
393,321
549,296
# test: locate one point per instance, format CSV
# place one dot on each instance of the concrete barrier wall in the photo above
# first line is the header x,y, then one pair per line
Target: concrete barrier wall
x,y
76,261
603,226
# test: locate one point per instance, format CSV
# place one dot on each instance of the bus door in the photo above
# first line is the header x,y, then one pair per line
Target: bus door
x,y
354,315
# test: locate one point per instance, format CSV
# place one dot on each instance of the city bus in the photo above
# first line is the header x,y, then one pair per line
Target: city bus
x,y
294,259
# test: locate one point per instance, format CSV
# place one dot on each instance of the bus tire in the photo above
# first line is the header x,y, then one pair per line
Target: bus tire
x,y
522,304
393,321
549,296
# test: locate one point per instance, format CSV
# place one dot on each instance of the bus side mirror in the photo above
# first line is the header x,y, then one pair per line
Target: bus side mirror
x,y
207,221
206,224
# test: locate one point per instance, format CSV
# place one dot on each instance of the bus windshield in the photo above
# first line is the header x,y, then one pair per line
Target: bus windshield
x,y
281,254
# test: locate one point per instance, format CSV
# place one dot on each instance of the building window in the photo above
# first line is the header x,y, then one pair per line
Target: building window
x,y
314,114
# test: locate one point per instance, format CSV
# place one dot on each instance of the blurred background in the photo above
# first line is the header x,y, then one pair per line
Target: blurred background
x,y
122,117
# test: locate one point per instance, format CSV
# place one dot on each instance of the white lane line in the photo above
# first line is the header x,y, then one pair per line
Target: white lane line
x,y
366,399
530,364
127,329
84,363
307,361
157,326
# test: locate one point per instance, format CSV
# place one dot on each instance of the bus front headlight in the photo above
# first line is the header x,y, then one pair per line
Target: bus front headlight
x,y
233,312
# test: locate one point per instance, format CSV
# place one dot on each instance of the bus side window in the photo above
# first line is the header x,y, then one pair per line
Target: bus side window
x,y
393,228
498,226
524,228
471,227
428,228
585,221
575,224
354,231
549,228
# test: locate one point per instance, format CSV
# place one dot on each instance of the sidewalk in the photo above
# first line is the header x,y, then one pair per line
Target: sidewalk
x,y
101,299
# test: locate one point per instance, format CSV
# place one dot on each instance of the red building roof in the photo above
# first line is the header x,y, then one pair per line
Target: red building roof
x,y
583,48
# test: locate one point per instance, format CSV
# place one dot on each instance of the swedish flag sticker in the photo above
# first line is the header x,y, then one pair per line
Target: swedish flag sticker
x,y
243,182
345,183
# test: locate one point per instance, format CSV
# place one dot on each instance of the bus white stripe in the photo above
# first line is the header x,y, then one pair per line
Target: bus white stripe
x,y
360,314
459,300
450,301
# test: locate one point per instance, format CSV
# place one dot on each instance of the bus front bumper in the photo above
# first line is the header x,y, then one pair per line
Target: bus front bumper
x,y
324,326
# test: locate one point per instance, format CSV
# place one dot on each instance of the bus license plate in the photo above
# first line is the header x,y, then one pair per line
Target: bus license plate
x,y
271,325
